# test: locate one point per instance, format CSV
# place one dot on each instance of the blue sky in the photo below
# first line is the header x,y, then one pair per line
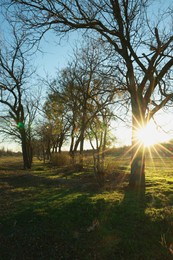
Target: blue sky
x,y
55,52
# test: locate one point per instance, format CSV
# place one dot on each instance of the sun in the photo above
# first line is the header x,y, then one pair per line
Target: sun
x,y
150,135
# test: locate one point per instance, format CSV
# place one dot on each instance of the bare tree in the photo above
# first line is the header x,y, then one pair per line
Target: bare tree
x,y
17,109
85,88
144,50
56,113
99,137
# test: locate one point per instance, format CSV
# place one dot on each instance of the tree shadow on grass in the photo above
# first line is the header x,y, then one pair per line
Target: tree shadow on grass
x,y
49,178
140,235
50,229
67,222
28,180
11,163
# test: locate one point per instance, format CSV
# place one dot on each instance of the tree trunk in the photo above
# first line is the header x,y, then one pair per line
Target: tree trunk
x,y
61,139
137,175
81,152
26,152
48,153
72,144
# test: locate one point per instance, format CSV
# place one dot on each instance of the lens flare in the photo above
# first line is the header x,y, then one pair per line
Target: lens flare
x,y
20,125
150,135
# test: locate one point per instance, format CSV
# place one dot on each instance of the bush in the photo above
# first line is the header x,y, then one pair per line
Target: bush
x,y
60,159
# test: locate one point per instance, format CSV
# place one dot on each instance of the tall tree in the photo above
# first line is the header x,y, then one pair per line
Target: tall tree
x,y
144,49
17,110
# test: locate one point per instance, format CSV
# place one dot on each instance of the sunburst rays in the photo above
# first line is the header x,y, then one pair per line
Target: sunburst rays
x,y
149,141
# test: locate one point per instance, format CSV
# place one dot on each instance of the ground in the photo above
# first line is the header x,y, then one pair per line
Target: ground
x,y
59,213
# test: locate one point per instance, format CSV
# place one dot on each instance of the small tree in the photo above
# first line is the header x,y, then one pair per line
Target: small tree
x,y
56,115
85,88
98,135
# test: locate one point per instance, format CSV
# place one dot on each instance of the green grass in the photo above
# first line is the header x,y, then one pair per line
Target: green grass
x,y
45,214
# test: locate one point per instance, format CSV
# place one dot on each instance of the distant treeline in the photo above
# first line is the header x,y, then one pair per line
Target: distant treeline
x,y
163,150
8,152
157,150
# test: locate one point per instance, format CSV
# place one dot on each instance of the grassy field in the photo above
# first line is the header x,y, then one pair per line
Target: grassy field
x,y
50,213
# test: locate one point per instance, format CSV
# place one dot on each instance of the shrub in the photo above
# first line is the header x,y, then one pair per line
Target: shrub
x,y
60,159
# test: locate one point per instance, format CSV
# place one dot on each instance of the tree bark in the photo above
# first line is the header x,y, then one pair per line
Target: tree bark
x,y
137,175
26,151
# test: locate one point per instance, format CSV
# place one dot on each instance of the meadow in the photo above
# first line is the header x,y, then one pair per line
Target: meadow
x,y
51,212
